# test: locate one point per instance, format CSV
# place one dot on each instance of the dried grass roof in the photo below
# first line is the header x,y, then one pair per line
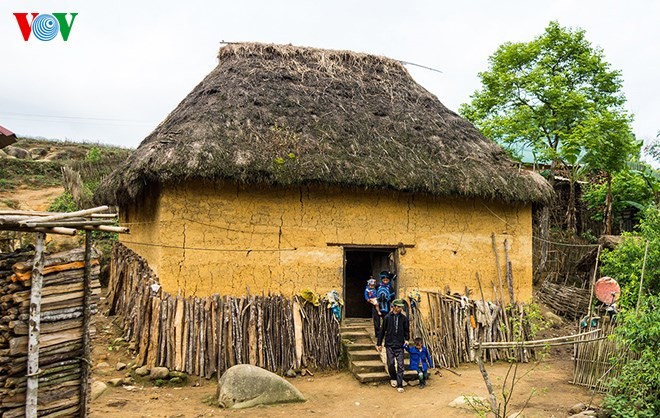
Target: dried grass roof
x,y
287,115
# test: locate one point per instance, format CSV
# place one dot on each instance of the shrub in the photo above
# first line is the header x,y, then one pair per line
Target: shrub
x,y
624,263
636,392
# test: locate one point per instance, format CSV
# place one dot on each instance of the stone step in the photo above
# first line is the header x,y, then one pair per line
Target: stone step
x,y
354,335
383,376
362,355
356,321
349,328
360,346
367,366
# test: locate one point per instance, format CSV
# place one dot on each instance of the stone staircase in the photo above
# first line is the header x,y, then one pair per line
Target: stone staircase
x,y
364,360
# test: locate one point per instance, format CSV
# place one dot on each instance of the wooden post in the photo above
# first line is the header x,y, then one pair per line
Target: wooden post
x,y
641,279
497,267
87,313
509,272
33,328
593,283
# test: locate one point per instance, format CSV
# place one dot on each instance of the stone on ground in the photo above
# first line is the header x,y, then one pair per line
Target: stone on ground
x,y
142,371
159,373
245,386
98,388
470,402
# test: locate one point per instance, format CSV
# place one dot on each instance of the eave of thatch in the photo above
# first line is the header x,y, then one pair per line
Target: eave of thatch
x,y
286,115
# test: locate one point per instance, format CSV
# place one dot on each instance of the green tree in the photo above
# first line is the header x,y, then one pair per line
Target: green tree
x,y
609,144
545,94
624,263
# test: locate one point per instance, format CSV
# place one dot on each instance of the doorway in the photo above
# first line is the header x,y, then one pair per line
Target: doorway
x,y
359,265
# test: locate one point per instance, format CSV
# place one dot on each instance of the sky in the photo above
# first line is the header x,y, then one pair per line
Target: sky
x,y
127,64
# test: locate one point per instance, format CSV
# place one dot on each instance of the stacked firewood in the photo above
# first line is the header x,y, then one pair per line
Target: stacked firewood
x,y
61,331
203,336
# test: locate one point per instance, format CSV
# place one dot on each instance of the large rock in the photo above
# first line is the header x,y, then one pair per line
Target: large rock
x,y
18,153
245,386
159,373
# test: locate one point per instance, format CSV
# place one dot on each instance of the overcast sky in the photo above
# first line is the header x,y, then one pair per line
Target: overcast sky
x,y
127,64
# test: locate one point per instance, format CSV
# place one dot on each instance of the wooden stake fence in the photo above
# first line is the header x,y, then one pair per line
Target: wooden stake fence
x,y
203,336
456,323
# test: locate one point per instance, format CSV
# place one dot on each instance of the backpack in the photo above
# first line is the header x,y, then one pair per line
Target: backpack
x,y
383,296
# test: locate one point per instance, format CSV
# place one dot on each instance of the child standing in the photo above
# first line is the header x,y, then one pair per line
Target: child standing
x,y
420,360
370,296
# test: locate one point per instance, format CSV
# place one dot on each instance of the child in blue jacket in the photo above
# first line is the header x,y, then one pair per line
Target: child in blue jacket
x,y
420,360
370,296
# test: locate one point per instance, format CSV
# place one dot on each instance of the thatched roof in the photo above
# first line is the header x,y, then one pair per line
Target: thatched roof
x,y
287,115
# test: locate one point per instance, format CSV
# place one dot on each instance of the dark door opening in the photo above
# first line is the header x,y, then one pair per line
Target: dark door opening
x,y
359,265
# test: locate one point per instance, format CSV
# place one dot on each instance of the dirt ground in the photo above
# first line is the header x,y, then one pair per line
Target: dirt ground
x,y
340,394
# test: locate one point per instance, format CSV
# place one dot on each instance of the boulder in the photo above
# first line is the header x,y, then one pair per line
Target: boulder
x,y
577,408
18,153
38,153
552,319
245,386
142,371
115,382
120,366
159,373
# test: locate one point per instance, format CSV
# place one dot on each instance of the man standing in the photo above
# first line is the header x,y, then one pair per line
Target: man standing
x,y
395,330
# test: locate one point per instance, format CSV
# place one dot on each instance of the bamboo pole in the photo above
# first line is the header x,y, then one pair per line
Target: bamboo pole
x,y
84,363
593,281
58,231
58,216
35,322
641,279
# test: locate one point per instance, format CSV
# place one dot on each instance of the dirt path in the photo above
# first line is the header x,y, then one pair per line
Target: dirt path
x,y
29,199
340,395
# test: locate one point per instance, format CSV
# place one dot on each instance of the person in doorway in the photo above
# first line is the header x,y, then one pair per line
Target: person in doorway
x,y
384,295
370,297
386,277
420,361
395,332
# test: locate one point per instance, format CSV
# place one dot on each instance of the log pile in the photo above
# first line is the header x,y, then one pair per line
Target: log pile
x,y
204,336
61,348
568,301
456,324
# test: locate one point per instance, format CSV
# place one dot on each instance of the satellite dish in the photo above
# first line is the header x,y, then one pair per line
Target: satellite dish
x,y
607,290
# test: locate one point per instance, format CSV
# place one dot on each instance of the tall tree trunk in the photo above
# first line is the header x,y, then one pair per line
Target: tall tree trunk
x,y
607,219
545,229
570,217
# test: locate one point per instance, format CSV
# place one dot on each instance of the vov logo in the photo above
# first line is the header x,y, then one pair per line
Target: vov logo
x,y
45,26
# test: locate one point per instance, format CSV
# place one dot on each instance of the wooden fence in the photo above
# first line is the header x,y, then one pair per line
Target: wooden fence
x,y
203,336
593,361
455,324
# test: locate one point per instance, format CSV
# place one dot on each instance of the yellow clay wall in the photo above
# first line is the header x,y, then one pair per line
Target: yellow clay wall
x,y
230,239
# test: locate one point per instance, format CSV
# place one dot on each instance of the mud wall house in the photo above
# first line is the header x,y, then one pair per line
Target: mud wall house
x,y
291,168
